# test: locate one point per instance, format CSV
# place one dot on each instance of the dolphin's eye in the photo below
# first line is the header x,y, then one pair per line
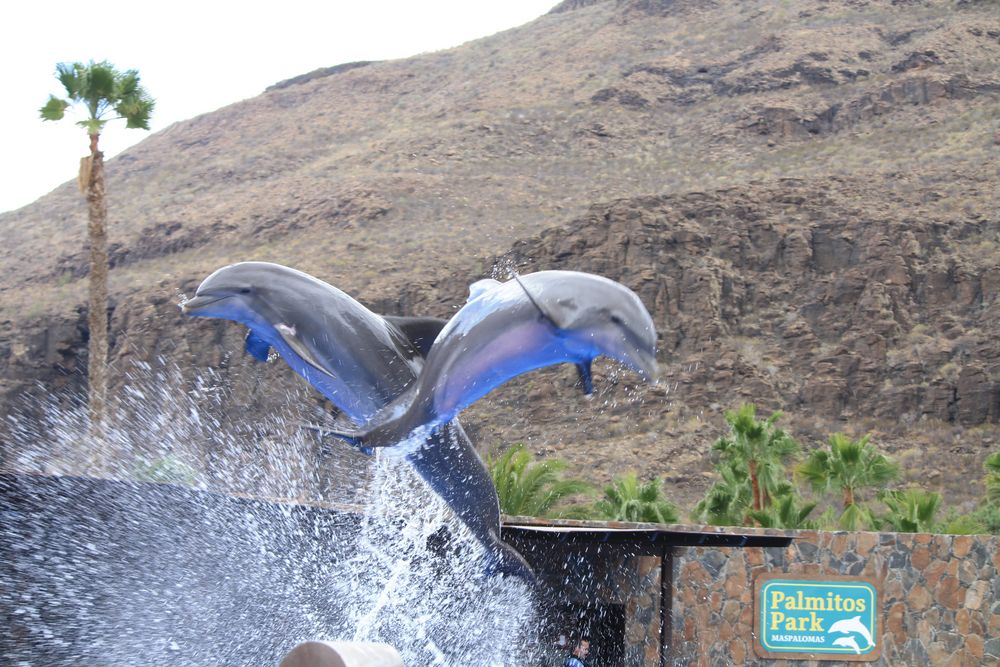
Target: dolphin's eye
x,y
617,320
245,290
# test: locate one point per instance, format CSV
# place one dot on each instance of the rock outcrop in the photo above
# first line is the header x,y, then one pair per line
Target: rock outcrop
x,y
805,195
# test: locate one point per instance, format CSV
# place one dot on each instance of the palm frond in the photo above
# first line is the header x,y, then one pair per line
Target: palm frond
x,y
54,109
787,512
911,510
68,75
530,488
857,517
992,466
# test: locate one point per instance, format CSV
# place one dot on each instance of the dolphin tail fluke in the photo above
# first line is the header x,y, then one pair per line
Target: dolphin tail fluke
x,y
503,560
346,436
366,440
353,438
388,427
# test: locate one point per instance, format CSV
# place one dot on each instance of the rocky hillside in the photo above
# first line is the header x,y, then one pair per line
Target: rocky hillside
x,y
804,194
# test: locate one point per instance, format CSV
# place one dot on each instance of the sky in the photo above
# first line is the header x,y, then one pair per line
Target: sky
x,y
195,57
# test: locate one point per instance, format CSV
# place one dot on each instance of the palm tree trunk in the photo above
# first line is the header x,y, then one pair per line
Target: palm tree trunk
x,y
97,318
848,497
755,486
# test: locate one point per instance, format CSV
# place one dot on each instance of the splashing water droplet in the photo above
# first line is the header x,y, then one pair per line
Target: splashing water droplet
x,y
152,569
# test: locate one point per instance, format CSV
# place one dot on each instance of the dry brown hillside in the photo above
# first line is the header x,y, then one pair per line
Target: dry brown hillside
x,y
804,193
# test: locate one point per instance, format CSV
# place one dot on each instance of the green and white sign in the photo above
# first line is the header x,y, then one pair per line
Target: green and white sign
x,y
816,618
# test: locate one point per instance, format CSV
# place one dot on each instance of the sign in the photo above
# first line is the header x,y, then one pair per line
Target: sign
x,y
816,617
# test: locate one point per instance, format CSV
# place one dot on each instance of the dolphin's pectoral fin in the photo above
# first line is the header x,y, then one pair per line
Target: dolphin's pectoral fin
x,y
257,347
586,378
502,559
289,335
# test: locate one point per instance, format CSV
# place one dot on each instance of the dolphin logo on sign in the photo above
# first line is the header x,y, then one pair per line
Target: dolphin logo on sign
x,y
831,617
851,626
848,642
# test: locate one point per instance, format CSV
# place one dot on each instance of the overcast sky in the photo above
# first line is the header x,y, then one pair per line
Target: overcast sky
x,y
196,57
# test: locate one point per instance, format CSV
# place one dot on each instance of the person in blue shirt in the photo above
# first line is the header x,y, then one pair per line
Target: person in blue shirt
x,y
580,652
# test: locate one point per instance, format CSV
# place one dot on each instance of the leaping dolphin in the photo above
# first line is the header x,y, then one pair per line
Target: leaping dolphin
x,y
355,358
360,362
506,329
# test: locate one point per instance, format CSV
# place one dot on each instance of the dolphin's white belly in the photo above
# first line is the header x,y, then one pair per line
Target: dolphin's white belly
x,y
474,370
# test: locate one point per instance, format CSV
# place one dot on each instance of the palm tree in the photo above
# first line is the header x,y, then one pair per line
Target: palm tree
x,y
910,511
727,501
848,466
529,488
992,466
105,94
625,499
988,513
760,447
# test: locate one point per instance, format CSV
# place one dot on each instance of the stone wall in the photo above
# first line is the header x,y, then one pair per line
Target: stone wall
x,y
939,595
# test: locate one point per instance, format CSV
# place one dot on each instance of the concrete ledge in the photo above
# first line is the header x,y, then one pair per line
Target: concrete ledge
x,y
342,654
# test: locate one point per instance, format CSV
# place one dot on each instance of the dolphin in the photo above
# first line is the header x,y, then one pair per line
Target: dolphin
x,y
847,642
360,362
853,624
355,358
506,329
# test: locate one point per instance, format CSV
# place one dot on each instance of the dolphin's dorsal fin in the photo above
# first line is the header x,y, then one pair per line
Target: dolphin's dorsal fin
x,y
534,302
480,287
421,331
257,347
289,335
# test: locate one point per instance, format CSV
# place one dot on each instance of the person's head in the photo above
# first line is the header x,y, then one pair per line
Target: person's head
x,y
582,647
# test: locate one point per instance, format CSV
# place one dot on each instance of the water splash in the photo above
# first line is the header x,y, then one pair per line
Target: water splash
x,y
418,581
118,570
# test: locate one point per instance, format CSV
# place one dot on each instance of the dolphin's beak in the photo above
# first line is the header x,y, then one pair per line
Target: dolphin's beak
x,y
643,362
190,306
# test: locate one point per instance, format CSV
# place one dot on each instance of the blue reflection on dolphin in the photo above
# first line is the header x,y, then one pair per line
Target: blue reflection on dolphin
x,y
360,362
507,329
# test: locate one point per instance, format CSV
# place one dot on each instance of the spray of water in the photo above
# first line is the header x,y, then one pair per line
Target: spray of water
x,y
417,581
115,569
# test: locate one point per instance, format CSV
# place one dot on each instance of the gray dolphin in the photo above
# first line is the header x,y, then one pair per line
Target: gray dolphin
x,y
510,328
355,358
360,362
